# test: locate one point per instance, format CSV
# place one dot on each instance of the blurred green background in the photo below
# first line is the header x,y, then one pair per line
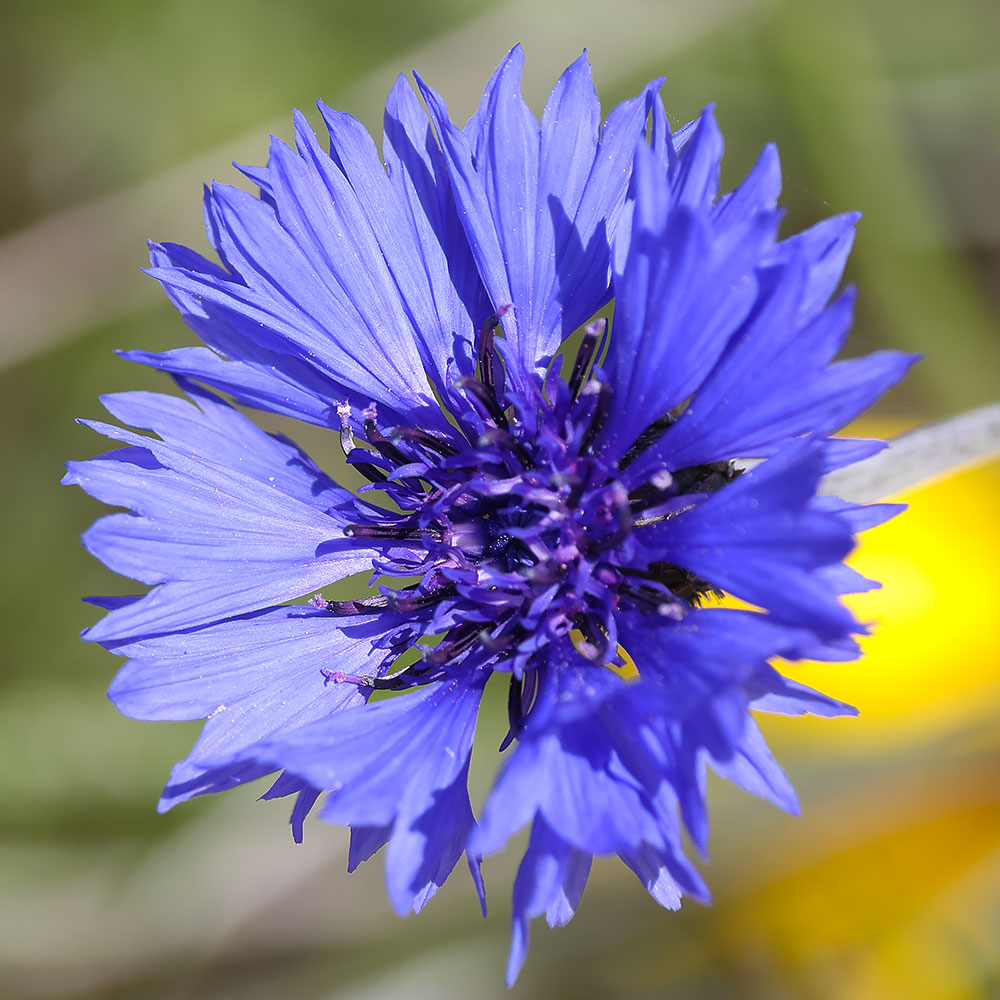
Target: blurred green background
x,y
113,113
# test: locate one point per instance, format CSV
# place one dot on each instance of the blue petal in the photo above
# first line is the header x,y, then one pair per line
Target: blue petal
x,y
305,798
304,271
206,672
457,303
581,765
667,875
229,520
783,696
826,246
760,539
365,842
860,517
775,383
753,768
709,669
251,677
403,761
259,371
405,242
757,193
684,291
708,651
550,880
255,384
838,452
308,278
429,837
695,177
539,202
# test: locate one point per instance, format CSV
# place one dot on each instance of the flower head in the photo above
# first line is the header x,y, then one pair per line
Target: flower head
x,y
558,523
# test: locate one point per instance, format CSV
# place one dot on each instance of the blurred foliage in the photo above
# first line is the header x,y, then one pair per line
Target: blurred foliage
x,y
890,884
102,94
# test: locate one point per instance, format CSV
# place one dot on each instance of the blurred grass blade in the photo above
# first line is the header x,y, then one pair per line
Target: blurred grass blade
x,y
920,455
836,71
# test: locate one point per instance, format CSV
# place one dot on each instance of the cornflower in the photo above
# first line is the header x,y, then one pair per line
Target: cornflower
x,y
555,519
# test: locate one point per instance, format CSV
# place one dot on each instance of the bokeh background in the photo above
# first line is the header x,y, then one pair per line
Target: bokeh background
x,y
113,113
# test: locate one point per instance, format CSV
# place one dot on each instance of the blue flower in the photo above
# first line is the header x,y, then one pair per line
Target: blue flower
x,y
559,525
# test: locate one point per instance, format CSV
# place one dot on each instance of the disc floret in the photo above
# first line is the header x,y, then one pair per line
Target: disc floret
x,y
520,529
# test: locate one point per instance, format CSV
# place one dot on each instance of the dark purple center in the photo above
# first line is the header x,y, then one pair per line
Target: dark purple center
x,y
517,530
